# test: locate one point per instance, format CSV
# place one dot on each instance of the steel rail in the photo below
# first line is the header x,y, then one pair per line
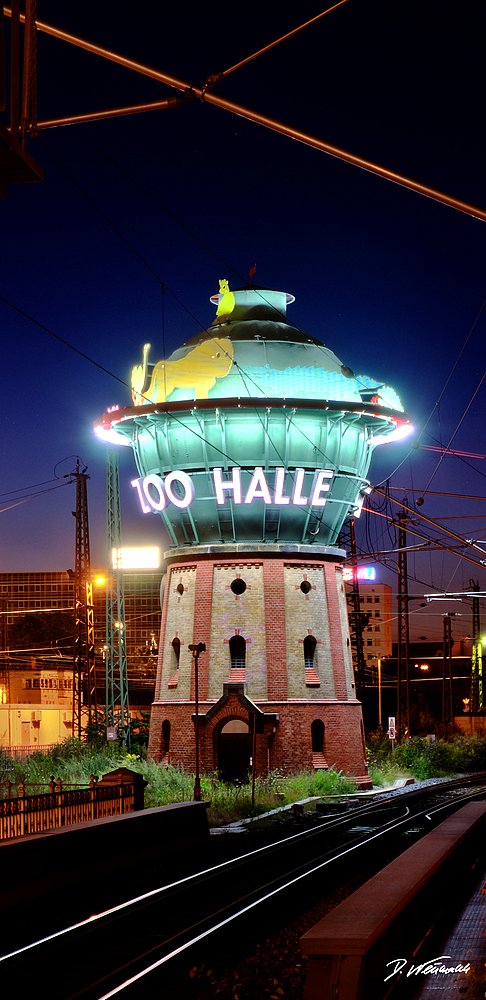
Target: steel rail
x,y
179,943
204,93
249,907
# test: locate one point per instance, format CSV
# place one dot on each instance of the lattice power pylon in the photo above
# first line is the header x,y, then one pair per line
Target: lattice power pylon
x,y
447,692
403,666
117,706
358,619
476,655
84,677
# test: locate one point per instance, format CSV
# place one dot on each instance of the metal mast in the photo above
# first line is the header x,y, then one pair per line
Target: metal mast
x,y
357,618
84,649
476,655
117,708
447,698
403,667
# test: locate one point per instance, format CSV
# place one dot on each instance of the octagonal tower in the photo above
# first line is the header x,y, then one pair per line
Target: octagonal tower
x,y
253,443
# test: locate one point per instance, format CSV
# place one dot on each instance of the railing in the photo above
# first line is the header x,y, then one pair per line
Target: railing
x,y
21,814
10,754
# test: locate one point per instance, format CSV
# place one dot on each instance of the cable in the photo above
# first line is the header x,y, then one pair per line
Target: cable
x,y
33,497
457,428
33,487
120,234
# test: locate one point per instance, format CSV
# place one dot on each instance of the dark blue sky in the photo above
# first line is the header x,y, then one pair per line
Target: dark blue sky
x,y
390,281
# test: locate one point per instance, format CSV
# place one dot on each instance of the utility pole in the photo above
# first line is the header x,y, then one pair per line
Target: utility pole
x,y
357,618
117,706
447,701
403,667
476,655
196,650
84,649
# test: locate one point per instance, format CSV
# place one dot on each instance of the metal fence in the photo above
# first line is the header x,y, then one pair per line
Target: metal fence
x,y
12,754
21,814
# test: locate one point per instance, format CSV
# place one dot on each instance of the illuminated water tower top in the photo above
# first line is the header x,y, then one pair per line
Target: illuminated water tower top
x,y
253,431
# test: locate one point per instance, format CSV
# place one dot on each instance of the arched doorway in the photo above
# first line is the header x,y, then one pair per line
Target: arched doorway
x,y
234,750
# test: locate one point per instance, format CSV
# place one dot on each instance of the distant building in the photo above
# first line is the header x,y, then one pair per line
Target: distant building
x,y
375,599
36,684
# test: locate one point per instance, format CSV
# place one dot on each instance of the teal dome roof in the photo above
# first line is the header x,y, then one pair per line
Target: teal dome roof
x,y
259,354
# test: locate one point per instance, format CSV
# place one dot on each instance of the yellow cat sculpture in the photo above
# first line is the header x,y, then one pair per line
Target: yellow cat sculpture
x,y
197,370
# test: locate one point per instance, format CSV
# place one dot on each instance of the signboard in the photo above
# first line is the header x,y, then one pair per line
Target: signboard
x,y
391,727
363,573
177,488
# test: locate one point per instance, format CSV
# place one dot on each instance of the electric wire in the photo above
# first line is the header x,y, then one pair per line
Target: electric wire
x,y
120,234
33,496
437,404
457,428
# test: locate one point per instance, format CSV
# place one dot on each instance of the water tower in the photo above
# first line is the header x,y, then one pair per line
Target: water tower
x,y
252,443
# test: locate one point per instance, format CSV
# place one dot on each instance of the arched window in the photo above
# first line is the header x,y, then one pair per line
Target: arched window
x,y
176,646
166,735
237,645
309,651
317,736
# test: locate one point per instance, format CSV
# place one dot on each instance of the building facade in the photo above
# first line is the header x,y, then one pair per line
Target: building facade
x,y
36,679
376,600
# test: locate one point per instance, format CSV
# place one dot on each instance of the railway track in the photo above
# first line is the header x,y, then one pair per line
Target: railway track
x,y
146,945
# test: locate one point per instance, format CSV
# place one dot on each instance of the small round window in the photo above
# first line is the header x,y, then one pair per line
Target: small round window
x,y
305,586
238,586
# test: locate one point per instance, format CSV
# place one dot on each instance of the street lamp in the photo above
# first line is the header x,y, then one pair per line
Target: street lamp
x,y
196,650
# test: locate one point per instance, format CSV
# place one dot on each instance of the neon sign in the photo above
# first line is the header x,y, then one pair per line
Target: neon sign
x,y
154,491
363,573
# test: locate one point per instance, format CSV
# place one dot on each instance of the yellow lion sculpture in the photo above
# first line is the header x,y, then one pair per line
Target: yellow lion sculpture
x,y
197,370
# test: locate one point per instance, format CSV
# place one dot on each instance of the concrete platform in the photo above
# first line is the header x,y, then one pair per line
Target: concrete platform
x,y
464,944
359,949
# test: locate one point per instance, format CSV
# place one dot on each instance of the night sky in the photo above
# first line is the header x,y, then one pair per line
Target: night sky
x,y
392,282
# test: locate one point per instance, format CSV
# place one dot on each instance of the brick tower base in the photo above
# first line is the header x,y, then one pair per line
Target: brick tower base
x,y
276,678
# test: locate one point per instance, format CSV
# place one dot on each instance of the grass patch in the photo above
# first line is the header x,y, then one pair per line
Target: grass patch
x,y
74,762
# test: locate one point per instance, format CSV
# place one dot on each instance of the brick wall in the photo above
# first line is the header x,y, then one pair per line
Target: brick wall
x,y
273,583
273,614
288,749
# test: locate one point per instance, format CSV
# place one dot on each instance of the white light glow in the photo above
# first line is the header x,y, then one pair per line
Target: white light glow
x,y
400,432
147,557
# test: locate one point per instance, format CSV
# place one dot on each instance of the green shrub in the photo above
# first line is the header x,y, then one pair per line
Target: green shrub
x,y
436,758
74,761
